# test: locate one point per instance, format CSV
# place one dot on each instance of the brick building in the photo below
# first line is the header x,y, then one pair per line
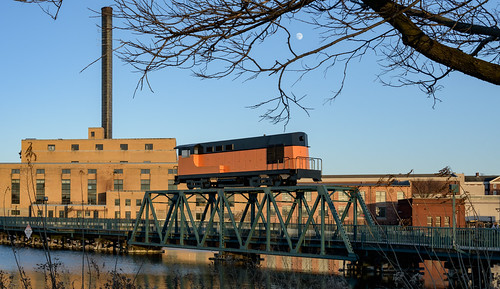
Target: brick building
x,y
94,177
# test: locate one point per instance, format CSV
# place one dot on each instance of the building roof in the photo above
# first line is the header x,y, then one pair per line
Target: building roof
x,y
478,178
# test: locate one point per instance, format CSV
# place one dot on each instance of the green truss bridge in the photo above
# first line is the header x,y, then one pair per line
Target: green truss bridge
x,y
292,221
299,221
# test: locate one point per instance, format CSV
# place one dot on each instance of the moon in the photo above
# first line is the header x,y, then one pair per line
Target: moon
x,y
299,36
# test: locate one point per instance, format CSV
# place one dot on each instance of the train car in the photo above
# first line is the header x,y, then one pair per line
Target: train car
x,y
273,160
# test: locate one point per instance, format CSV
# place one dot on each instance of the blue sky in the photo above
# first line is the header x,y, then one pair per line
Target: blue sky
x,y
369,129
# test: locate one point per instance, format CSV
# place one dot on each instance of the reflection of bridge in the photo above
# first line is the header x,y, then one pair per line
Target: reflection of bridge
x,y
301,221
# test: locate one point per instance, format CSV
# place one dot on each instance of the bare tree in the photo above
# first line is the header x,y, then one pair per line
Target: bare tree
x,y
418,42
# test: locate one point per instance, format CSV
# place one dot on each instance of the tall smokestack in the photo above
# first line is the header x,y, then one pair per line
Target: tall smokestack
x,y
107,69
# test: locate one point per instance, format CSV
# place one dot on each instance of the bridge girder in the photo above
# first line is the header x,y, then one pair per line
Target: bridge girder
x,y
275,220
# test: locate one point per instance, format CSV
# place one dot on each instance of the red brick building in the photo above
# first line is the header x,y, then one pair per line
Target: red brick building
x,y
432,212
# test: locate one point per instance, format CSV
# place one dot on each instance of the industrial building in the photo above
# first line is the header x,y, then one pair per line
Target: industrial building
x,y
94,177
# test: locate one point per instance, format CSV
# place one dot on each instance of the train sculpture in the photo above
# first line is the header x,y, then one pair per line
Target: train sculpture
x,y
274,160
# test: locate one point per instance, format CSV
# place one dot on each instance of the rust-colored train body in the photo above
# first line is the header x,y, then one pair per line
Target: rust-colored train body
x,y
266,160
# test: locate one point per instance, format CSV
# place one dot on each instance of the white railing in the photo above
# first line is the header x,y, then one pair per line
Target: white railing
x,y
306,163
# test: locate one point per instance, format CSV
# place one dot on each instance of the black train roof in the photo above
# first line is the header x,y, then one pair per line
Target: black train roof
x,y
286,139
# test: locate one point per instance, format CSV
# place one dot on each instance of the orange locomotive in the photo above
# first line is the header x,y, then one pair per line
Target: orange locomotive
x,y
273,160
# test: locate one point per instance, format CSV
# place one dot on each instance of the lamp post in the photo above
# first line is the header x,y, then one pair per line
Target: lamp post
x,y
45,200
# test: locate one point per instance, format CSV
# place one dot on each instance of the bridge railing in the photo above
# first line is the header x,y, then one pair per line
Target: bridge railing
x,y
433,237
87,224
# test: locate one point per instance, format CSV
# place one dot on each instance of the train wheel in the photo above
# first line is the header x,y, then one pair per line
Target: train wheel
x,y
277,181
205,184
254,182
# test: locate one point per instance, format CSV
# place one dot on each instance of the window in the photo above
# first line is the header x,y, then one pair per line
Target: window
x,y
218,148
99,147
15,192
185,153
15,171
172,171
118,185
127,202
117,202
200,200
124,147
438,221
285,210
117,215
40,191
51,147
340,211
172,185
230,200
92,171
92,192
362,193
275,154
145,171
128,215
15,212
446,221
75,147
123,162
39,213
380,197
66,191
66,171
210,149
429,221
229,147
148,146
380,212
62,214
118,171
51,214
79,214
401,195
138,202
145,185
285,197
40,171
92,134
343,197
87,213
74,162
308,196
96,214
272,211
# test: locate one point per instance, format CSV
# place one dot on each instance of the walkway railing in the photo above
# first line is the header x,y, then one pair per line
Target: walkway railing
x,y
431,237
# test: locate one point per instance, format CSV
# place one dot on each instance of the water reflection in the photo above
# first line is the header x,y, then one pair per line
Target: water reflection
x,y
176,269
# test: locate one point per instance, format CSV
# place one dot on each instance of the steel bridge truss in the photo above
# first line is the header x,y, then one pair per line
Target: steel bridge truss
x,y
300,221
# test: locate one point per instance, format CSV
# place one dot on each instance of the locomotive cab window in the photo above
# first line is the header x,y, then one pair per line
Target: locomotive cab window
x,y
275,154
198,149
185,153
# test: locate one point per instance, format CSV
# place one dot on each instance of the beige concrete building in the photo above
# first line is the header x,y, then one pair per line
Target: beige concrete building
x,y
94,177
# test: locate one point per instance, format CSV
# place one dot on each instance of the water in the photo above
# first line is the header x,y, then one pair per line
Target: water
x,y
176,269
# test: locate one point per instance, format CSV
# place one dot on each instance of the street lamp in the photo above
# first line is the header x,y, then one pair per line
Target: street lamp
x,y
45,200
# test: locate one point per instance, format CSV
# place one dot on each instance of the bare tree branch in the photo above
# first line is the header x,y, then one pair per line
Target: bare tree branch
x,y
417,42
